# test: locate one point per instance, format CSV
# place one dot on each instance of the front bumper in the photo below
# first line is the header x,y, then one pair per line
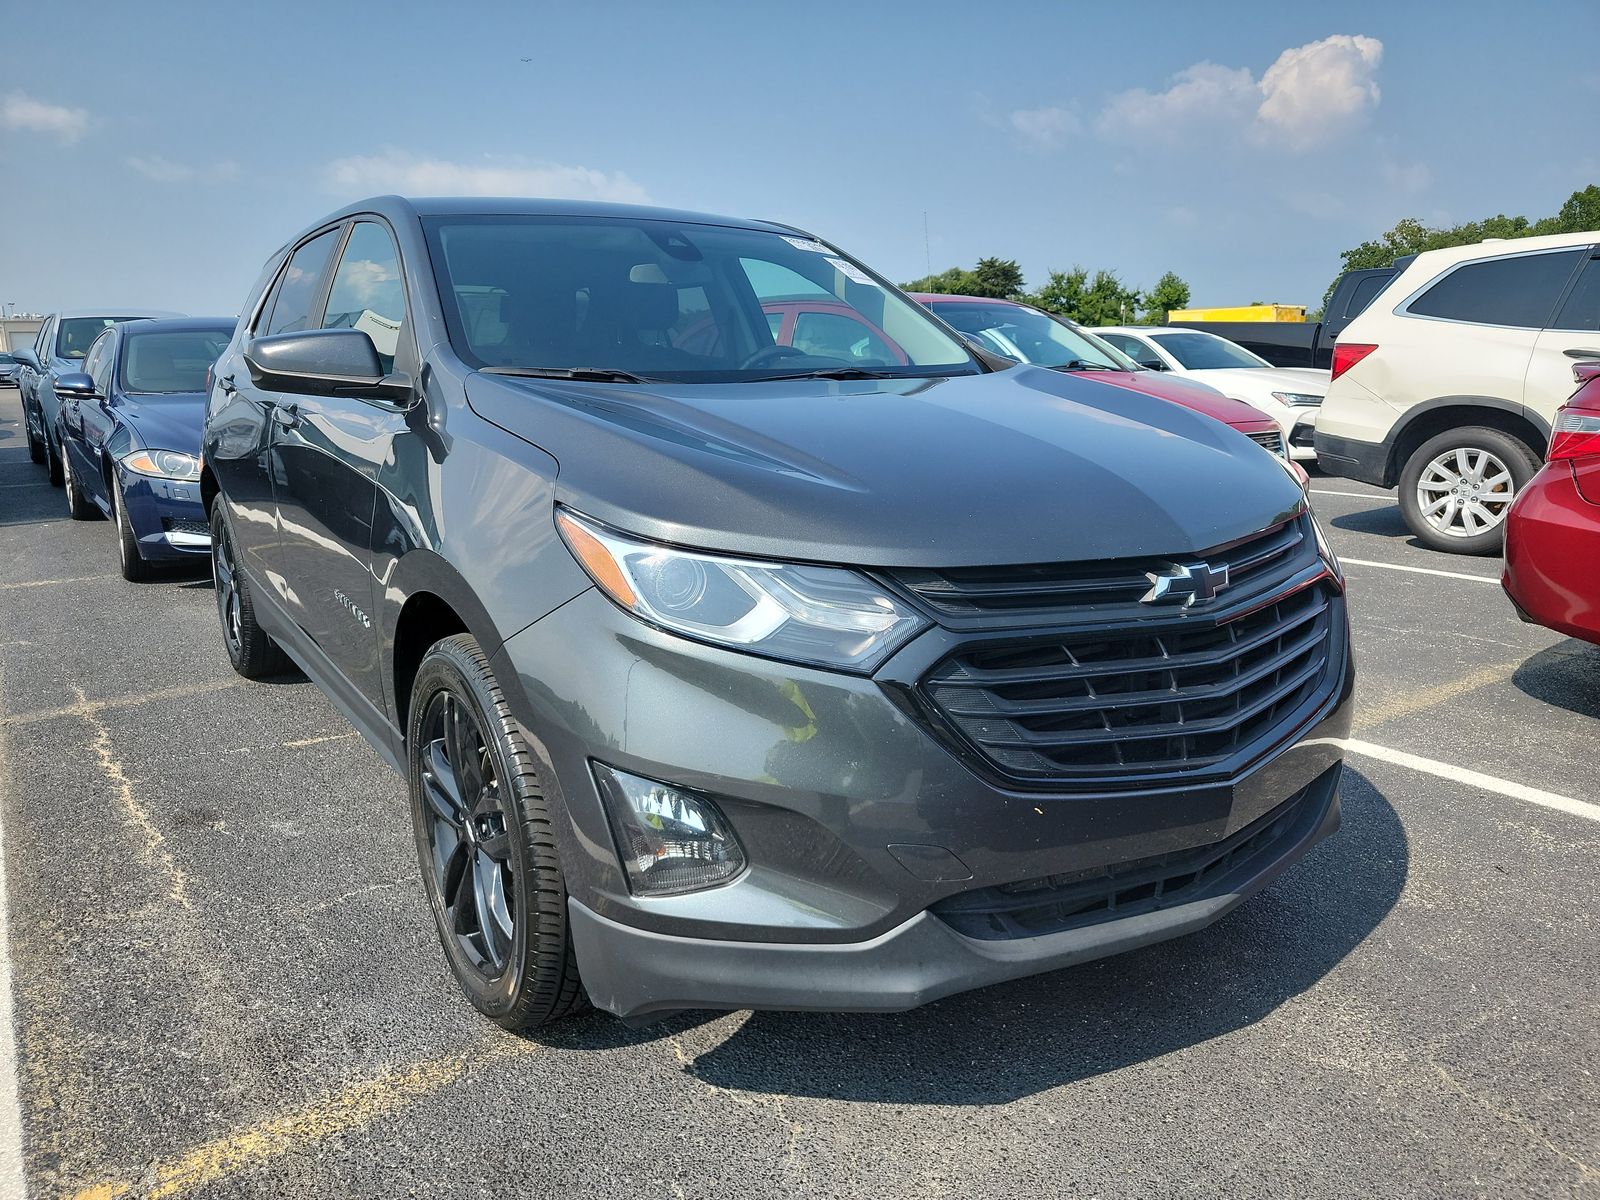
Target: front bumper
x,y
856,820
168,518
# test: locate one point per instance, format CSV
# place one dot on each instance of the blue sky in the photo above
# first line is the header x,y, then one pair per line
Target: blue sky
x,y
155,154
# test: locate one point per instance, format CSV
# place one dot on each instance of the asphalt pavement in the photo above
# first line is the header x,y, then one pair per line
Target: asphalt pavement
x,y
226,982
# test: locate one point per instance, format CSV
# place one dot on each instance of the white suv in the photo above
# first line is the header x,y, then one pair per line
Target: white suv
x,y
1446,385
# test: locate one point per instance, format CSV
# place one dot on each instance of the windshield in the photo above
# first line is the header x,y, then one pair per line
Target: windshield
x,y
672,301
76,334
1206,351
1030,336
174,361
6,358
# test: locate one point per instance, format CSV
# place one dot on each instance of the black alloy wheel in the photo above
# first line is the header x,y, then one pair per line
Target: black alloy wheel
x,y
251,651
486,842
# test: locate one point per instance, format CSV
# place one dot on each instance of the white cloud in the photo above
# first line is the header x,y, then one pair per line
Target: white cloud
x,y
1205,91
165,170
23,112
396,171
1316,91
1044,128
1311,94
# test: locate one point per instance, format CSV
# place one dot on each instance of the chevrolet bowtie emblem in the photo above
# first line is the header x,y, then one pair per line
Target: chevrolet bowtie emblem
x,y
1185,583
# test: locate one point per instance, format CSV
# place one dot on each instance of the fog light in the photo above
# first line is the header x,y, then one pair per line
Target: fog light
x,y
669,840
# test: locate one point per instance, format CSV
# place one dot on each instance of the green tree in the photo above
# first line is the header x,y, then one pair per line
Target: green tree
x,y
1108,301
1063,293
1579,214
1170,292
1000,278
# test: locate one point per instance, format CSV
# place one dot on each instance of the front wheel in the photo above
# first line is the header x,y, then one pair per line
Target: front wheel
x,y
251,651
1457,487
486,843
36,448
79,506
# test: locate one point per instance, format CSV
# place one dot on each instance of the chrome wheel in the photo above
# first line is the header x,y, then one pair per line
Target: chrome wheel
x,y
1465,492
66,475
225,580
468,841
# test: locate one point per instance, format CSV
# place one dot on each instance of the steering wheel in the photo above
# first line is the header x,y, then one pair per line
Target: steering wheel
x,y
769,354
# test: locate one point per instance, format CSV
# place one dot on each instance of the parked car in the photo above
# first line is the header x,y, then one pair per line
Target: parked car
x,y
1552,568
1028,334
9,366
1446,388
1290,396
129,433
1306,343
802,683
63,341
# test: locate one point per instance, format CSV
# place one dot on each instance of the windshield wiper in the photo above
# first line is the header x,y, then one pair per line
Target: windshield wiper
x,y
586,374
829,373
1079,364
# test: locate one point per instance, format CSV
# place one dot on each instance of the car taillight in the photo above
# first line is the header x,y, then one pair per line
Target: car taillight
x,y
1347,355
1577,434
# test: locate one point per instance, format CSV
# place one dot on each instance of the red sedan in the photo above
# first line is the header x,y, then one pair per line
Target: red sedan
x,y
1552,571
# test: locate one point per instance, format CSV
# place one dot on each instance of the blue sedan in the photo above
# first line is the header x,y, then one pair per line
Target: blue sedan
x,y
129,430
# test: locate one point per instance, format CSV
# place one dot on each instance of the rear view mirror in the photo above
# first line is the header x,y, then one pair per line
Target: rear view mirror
x,y
75,385
323,362
26,357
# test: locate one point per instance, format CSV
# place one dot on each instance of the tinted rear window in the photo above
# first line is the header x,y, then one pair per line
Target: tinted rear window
x,y
77,334
1362,294
1517,291
1581,309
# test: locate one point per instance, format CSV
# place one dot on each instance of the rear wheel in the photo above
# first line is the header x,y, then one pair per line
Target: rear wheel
x,y
252,653
486,842
1456,488
79,506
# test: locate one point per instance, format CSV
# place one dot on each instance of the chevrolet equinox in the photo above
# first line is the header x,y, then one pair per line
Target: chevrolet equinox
x,y
730,672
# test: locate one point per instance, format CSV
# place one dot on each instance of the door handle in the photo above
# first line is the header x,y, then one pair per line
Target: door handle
x,y
227,384
1582,352
286,416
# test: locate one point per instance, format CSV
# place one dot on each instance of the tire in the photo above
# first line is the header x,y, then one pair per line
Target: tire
x,y
79,506
481,819
52,456
36,448
134,567
1456,488
251,651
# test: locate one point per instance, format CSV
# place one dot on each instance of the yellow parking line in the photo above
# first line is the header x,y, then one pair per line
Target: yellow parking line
x,y
86,707
1407,703
349,1108
317,741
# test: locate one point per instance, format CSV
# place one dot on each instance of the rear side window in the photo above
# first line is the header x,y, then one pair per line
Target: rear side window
x,y
367,293
297,290
97,366
1519,292
1362,294
1581,309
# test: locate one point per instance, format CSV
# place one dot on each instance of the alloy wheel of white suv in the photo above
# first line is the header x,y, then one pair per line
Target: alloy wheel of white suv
x,y
1457,487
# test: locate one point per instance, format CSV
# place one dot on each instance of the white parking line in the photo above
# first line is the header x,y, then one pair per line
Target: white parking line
x,y
1367,562
12,1185
1357,495
1476,779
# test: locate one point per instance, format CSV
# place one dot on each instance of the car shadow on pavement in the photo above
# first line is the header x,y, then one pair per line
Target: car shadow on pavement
x,y
1025,1037
1566,675
1383,522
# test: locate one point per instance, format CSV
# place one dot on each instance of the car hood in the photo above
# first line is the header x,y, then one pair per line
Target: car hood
x,y
168,422
1018,466
1263,381
1191,393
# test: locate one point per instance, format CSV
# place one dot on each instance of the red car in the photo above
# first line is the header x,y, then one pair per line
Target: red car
x,y
1552,571
1032,335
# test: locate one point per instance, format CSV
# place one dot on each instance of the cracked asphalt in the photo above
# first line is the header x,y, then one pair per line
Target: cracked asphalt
x,y
226,982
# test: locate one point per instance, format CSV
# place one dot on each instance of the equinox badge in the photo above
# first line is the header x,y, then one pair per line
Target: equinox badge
x,y
1183,584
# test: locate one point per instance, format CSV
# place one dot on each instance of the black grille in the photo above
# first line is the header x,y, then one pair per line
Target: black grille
x,y
1069,901
185,525
1070,589
1180,693
1272,441
1305,434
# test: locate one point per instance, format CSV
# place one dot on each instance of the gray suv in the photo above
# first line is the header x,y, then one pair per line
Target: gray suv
x,y
841,669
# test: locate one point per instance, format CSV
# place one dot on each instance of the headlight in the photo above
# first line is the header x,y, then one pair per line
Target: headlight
x,y
1297,399
163,464
821,615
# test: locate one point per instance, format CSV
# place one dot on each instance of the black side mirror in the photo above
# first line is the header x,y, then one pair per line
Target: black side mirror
x,y
26,357
324,362
1152,364
75,385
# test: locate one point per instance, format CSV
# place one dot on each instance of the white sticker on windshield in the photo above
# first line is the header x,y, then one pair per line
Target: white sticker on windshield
x,y
808,244
853,273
